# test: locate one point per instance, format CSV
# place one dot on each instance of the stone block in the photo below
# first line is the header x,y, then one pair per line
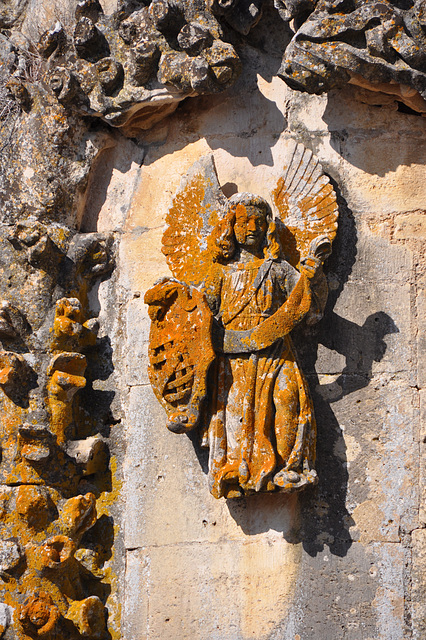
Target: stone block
x,y
163,470
378,261
112,183
341,116
410,226
376,178
389,600
229,589
137,328
140,251
375,439
418,594
358,595
368,332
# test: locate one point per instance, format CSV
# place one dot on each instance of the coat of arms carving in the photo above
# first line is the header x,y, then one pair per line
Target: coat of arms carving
x,y
221,355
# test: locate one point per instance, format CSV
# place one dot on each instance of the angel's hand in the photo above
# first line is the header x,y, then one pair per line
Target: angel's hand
x,y
311,267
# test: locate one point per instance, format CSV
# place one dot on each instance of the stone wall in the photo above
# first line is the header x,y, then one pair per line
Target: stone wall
x,y
337,561
162,558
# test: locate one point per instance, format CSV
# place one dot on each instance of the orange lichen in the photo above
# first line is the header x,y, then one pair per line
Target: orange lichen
x,y
39,615
258,416
88,616
178,371
41,531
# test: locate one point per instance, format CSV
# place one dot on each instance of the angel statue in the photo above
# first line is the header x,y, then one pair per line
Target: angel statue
x,y
221,356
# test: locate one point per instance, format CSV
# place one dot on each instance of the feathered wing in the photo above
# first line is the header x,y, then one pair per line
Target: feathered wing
x,y
306,202
197,207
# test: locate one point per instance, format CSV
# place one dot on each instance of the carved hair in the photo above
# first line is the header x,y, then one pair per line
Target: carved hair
x,y
222,242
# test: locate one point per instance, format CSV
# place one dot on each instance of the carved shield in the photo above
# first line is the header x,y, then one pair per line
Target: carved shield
x,y
180,350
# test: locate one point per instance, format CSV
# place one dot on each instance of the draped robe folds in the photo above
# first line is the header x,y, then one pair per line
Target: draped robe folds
x,y
260,413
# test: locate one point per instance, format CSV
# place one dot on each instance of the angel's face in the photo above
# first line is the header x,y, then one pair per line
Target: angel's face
x,y
250,227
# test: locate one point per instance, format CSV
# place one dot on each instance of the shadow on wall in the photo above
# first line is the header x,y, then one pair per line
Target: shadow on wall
x,y
118,156
324,517
377,147
243,108
318,516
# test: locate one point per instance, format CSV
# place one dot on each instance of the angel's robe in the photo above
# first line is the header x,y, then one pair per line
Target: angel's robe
x,y
260,413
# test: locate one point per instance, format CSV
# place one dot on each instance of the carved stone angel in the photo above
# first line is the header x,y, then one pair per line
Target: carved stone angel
x,y
221,355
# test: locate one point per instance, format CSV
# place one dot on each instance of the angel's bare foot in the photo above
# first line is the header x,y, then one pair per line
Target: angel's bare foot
x,y
284,477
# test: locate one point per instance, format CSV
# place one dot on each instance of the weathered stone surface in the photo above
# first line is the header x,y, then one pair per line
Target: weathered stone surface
x,y
346,559
367,415
386,46
238,571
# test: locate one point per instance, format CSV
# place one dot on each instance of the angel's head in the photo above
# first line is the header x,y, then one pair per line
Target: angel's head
x,y
248,223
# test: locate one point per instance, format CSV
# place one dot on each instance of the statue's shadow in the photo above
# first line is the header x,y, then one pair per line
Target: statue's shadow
x,y
318,516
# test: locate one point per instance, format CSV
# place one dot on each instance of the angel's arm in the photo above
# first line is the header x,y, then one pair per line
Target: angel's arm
x,y
319,288
288,277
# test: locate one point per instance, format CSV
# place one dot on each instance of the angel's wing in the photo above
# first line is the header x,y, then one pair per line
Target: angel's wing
x,y
197,207
306,202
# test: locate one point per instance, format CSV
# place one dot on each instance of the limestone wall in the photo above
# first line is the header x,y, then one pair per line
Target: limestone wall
x,y
336,561
344,559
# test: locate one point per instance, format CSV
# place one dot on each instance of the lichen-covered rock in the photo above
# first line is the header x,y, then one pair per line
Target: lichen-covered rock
x,y
109,66
377,45
51,448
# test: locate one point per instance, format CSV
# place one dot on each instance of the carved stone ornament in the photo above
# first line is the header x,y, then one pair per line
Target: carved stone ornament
x,y
379,46
221,356
53,457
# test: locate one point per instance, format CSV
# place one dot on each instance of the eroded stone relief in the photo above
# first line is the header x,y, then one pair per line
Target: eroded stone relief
x,y
53,461
75,77
221,356
380,46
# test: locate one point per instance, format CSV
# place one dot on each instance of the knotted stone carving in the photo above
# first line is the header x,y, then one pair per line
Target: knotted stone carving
x,y
380,46
49,469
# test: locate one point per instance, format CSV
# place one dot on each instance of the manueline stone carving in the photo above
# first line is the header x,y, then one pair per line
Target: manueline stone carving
x,y
380,46
111,66
221,356
50,581
66,94
131,69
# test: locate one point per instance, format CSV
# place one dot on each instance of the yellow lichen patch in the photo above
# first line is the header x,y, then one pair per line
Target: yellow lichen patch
x,y
104,504
32,506
182,237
